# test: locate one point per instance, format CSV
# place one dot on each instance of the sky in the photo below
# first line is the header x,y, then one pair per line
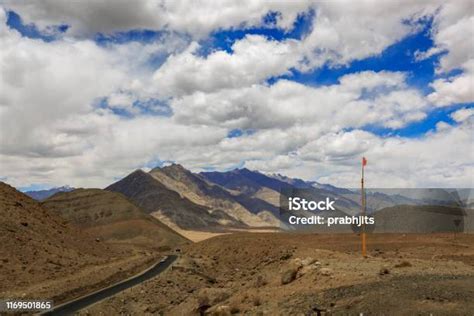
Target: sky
x,y
92,90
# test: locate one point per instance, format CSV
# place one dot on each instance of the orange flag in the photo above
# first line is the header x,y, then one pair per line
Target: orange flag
x,y
364,161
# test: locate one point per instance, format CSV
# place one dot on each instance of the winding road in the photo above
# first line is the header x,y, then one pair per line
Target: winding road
x,y
89,299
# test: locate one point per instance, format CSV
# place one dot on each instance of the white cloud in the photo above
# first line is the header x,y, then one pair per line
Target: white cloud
x,y
453,34
253,59
286,103
463,114
442,158
282,162
40,84
337,146
455,89
197,18
51,131
345,31
120,100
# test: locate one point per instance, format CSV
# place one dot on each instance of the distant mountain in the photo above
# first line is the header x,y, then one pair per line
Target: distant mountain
x,y
302,184
195,188
257,190
245,180
243,198
111,216
41,195
432,196
329,187
295,182
169,206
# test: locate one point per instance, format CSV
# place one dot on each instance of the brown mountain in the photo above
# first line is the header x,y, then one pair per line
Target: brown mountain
x,y
258,193
195,188
38,244
111,216
169,206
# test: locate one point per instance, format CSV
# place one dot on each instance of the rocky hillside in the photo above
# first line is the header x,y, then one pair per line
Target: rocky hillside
x,y
155,198
37,244
198,190
111,216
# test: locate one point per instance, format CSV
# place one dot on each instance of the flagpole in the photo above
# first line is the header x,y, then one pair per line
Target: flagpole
x,y
363,235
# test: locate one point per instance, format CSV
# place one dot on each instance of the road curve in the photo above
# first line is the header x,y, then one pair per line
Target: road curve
x,y
89,299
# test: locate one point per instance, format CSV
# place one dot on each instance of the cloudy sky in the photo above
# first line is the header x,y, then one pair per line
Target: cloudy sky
x,y
91,90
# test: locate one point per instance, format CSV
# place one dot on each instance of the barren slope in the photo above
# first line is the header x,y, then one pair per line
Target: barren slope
x,y
199,191
36,244
303,274
111,216
154,197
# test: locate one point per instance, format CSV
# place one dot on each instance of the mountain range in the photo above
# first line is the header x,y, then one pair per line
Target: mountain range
x,y
218,201
41,195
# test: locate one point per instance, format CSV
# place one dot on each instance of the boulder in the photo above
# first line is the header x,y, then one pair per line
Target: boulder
x,y
289,276
307,261
326,271
222,310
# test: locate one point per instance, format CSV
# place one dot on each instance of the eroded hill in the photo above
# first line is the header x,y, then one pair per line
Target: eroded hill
x,y
198,190
169,206
111,216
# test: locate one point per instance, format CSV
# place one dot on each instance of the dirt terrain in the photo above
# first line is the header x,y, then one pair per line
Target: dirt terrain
x,y
110,216
44,256
307,274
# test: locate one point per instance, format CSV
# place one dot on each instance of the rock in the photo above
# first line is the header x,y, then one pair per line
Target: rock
x,y
326,271
289,276
285,256
403,264
213,296
307,269
384,271
296,263
307,261
222,310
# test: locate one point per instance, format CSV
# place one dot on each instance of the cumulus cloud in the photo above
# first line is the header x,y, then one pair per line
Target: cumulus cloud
x,y
359,99
463,114
52,122
61,101
454,89
253,59
345,31
88,18
39,85
393,162
452,33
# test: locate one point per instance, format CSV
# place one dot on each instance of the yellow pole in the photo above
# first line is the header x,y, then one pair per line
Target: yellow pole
x,y
364,245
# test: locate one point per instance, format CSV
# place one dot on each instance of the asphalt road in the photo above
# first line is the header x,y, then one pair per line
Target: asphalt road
x,y
82,302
